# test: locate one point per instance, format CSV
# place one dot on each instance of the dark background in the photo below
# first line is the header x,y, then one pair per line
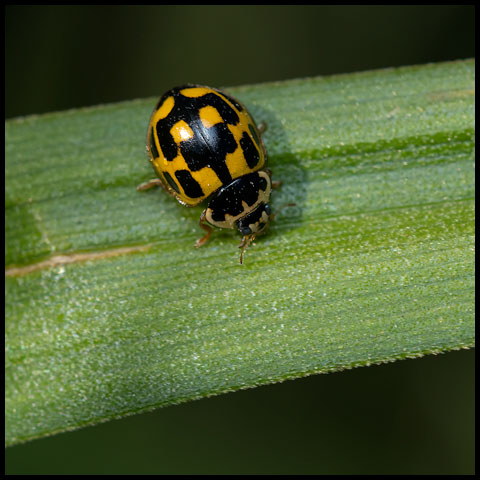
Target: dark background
x,y
413,416
59,57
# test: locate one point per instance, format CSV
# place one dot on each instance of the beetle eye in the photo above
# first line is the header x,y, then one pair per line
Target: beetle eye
x,y
268,210
244,230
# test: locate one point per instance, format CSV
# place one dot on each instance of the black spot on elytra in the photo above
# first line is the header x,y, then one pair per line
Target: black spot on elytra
x,y
167,144
171,181
238,106
152,146
190,186
254,133
250,151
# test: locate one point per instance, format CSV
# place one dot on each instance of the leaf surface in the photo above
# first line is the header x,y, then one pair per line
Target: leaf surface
x,y
375,262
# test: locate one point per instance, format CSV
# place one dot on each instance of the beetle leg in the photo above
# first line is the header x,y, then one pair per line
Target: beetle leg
x,y
262,128
207,228
275,183
154,182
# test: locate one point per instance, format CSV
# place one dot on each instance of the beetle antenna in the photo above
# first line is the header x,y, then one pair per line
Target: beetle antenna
x,y
244,244
273,215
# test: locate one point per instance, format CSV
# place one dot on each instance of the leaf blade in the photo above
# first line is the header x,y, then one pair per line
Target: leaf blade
x,y
374,263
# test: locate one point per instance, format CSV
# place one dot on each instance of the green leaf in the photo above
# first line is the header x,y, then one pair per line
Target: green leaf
x,y
375,262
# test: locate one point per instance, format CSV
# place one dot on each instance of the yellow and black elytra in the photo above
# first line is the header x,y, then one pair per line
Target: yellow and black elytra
x,y
204,145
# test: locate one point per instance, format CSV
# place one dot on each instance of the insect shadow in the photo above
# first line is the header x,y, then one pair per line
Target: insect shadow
x,y
287,201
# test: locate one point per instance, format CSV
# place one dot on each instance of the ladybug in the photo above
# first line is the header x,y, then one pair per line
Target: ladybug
x,y
204,145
